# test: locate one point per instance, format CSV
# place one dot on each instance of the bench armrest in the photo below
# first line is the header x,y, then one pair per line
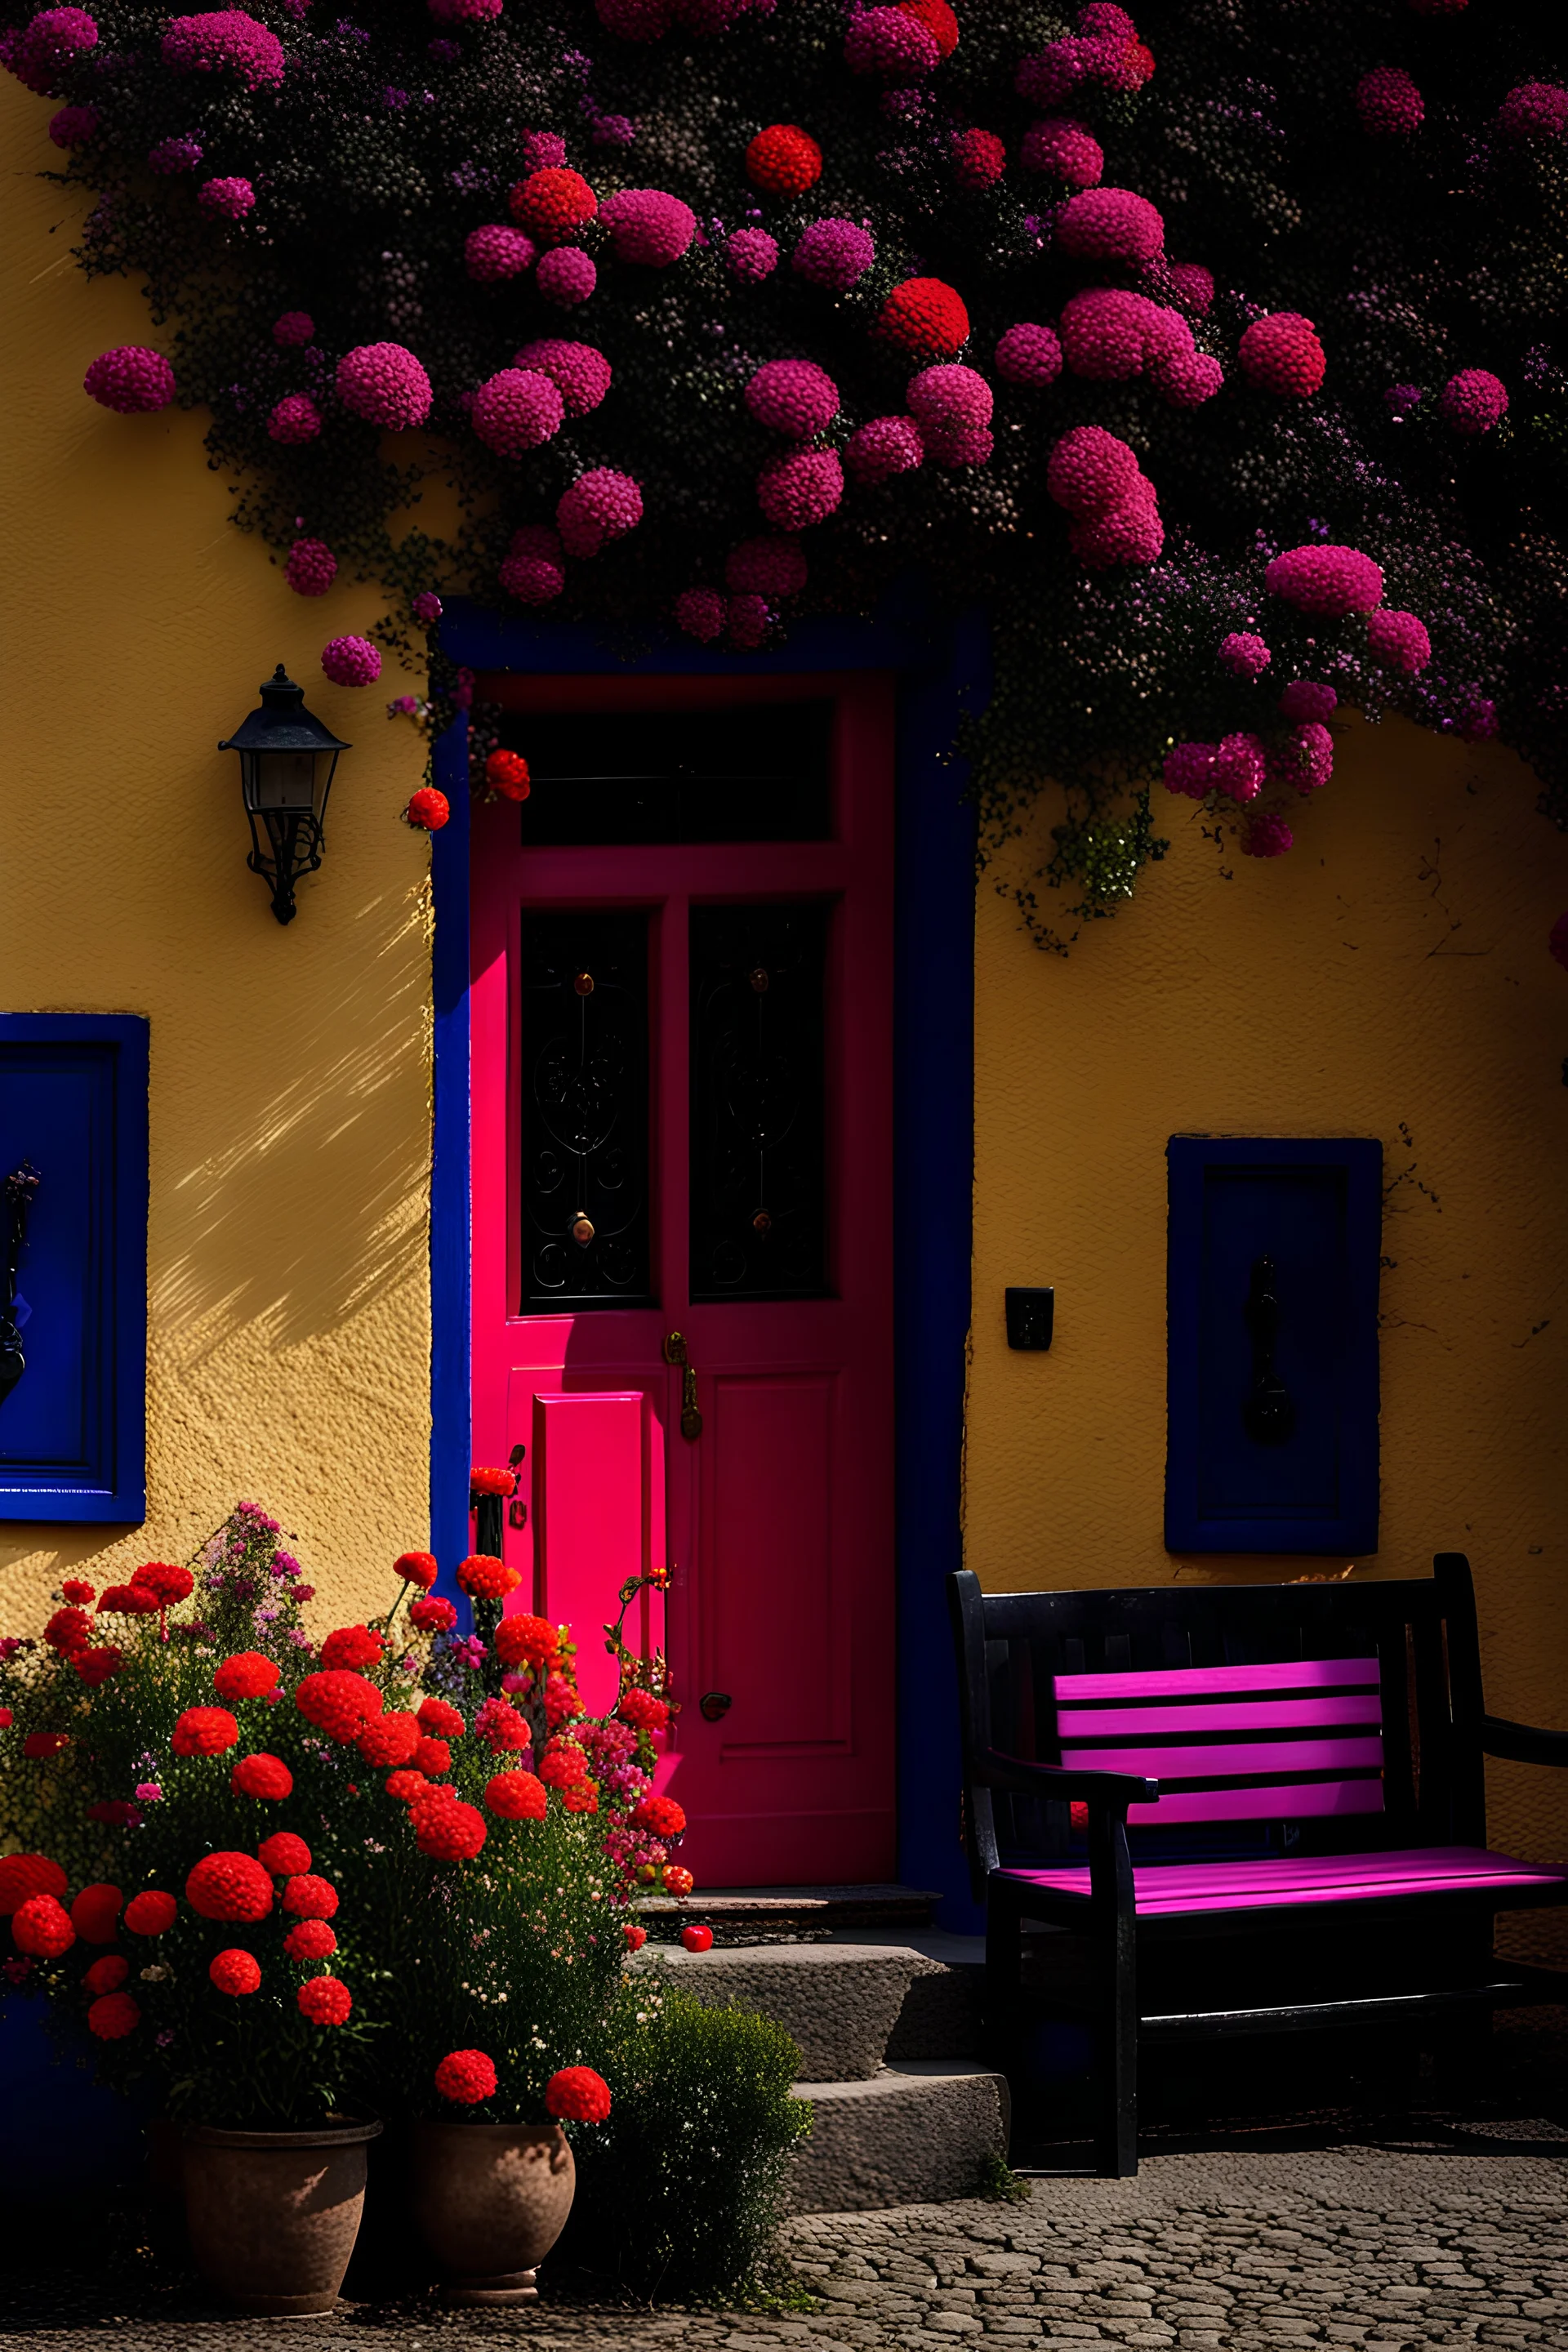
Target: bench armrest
x,y
1116,1790
1522,1743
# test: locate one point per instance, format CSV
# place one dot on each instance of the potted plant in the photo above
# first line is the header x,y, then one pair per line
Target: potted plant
x,y
283,1882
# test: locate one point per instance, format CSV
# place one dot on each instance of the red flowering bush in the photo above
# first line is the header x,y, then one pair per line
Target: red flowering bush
x,y
311,1939
576,2095
662,1815
390,1739
151,1913
485,1578
517,1797
261,1775
22,1874
167,1582
352,1646
527,1641
431,1757
114,2016
234,1972
107,1975
440,1719
284,1855
432,1615
325,2000
42,1926
247,1674
449,1831
338,1703
95,1914
68,1629
467,2077
230,1886
310,1898
498,1482
128,1600
416,1567
203,1731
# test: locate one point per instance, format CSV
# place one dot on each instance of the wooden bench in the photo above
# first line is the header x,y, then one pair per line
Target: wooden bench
x,y
1262,1806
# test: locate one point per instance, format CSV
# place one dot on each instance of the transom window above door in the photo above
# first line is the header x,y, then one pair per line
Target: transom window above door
x,y
757,771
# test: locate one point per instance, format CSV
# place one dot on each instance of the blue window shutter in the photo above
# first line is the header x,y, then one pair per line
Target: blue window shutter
x,y
1298,1224
73,1102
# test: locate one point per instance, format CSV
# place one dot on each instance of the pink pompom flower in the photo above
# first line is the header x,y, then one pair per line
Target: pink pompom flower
x,y
293,330
1328,582
1189,378
1304,702
42,50
890,42
1064,148
1389,104
802,489
1192,287
516,410
699,612
130,379
752,255
294,420
73,126
951,405
535,567
885,447
746,622
226,199
979,159
1109,225
1244,655
793,396
1090,471
463,12
600,506
1105,333
1472,402
1029,355
1240,765
1281,354
1310,760
1266,835
385,384
766,567
497,252
834,253
425,608
172,156
566,275
351,661
312,567
580,373
1189,770
1398,641
226,40
1130,532
646,225
1534,109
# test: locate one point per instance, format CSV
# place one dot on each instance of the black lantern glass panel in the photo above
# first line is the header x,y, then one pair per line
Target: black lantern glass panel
x,y
287,760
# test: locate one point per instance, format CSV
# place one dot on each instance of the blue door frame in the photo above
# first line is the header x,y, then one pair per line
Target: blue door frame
x,y
942,670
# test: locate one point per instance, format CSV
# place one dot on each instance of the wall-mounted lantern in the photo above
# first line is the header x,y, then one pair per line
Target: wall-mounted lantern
x,y
286,760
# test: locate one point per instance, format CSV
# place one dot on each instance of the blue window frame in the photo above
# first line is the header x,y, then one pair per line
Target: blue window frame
x,y
1272,1367
73,1103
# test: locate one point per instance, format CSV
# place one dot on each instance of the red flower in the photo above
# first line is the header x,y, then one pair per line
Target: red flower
x,y
391,1740
309,1898
525,1640
697,1939
151,1913
925,318
118,1811
284,1855
97,1663
581,1797
228,1886
428,810
68,1630
42,1926
578,2095
431,1757
95,1913
235,1972
416,1567
635,1936
507,772
46,1743
642,1710
352,1646
313,1940
325,2000
562,1701
107,1975
466,2076
113,2017
784,161
661,1815
562,1766
517,1797
338,1704
495,1482
245,1675
261,1775
440,1719
432,1616
22,1874
406,1786
128,1600
676,1880
501,1727
552,204
487,1578
77,1594
169,1582
203,1731
445,1830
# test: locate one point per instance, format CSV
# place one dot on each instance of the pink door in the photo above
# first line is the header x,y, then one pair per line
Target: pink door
x,y
682,1108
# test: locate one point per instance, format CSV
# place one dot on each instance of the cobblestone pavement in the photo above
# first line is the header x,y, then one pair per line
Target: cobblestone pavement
x,y
1243,2250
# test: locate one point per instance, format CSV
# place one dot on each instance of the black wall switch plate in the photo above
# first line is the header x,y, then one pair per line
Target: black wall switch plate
x,y
1031,1315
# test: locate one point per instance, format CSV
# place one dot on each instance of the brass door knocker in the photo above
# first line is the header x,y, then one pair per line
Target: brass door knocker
x,y
674,1353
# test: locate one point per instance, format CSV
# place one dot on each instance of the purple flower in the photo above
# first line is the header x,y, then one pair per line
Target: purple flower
x,y
394,99
298,1635
444,53
172,155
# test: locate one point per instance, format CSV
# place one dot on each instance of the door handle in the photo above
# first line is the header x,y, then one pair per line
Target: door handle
x,y
676,1353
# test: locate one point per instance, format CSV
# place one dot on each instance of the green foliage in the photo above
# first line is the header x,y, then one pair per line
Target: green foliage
x,y
1000,2184
680,2193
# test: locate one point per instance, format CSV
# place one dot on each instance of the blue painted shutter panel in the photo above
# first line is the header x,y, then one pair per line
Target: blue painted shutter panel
x,y
73,1102
1311,1210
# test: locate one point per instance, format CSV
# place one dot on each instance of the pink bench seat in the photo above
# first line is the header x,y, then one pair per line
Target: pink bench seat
x,y
1163,1889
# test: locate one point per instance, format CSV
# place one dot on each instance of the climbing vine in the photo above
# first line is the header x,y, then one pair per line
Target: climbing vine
x,y
1215,348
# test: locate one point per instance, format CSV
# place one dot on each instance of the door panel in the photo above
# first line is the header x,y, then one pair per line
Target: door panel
x,y
750,1110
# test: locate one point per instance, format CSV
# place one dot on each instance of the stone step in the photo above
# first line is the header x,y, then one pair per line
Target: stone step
x,y
841,2003
751,1914
911,2135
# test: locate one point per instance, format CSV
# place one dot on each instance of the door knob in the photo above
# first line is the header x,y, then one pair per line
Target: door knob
x,y
713,1706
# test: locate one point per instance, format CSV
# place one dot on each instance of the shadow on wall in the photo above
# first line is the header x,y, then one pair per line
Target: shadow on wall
x,y
313,1206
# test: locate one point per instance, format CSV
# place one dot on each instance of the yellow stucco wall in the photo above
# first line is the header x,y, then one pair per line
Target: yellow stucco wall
x,y
289,1355
1388,977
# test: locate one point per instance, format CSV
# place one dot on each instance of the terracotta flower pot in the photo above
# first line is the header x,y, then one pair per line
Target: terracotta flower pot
x,y
273,2216
490,2200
